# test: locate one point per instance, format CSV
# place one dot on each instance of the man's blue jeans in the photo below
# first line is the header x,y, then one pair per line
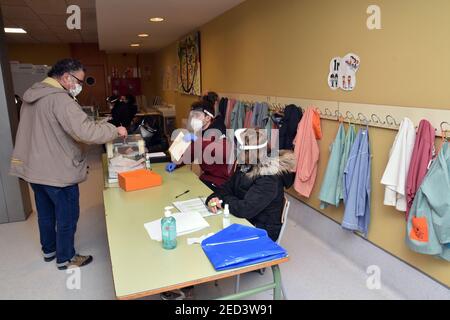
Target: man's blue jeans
x,y
58,212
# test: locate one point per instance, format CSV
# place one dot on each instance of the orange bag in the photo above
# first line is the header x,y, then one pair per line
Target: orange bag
x,y
139,179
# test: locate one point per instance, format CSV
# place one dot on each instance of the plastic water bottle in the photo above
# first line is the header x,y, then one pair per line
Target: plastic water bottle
x,y
168,230
226,217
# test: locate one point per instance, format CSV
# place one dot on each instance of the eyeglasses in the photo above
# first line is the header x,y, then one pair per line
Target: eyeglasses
x,y
81,82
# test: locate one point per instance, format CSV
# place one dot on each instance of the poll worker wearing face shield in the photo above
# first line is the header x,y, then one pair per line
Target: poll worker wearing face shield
x,y
201,125
256,189
48,154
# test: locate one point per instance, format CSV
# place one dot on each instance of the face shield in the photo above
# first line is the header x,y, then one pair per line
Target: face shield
x,y
111,101
197,119
251,146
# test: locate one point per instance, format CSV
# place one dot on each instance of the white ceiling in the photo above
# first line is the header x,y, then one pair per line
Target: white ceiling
x,y
120,21
45,21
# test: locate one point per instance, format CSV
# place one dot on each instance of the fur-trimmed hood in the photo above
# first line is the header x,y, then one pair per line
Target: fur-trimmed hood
x,y
283,164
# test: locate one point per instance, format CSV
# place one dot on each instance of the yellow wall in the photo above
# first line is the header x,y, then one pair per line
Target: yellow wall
x,y
38,53
167,57
283,48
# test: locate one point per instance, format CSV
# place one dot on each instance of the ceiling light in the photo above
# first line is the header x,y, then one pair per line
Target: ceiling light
x,y
14,30
157,19
134,45
143,35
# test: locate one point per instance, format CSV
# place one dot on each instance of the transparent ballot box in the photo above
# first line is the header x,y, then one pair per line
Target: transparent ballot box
x,y
132,147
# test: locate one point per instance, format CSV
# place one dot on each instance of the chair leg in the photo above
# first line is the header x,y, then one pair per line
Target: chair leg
x,y
216,283
238,279
283,291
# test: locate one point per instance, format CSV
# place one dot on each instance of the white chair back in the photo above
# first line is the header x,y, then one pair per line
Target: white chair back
x,y
284,217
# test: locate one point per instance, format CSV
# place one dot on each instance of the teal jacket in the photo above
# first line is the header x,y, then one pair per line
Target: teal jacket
x,y
328,192
428,227
331,192
348,144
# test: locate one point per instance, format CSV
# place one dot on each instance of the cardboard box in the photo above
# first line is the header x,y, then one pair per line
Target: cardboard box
x,y
139,179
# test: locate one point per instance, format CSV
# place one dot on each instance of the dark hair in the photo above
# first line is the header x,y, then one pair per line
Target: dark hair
x,y
65,65
202,105
131,99
211,97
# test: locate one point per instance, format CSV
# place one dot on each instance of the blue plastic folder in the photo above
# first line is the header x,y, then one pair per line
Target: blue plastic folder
x,y
239,246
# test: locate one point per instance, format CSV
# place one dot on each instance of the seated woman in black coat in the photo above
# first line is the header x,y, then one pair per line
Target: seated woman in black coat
x,y
256,189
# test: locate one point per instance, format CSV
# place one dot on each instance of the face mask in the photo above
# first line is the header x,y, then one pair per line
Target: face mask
x,y
76,91
196,124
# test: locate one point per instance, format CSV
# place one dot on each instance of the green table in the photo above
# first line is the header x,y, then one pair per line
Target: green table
x,y
140,266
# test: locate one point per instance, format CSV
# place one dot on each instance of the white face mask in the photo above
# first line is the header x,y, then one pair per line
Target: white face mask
x,y
77,90
196,124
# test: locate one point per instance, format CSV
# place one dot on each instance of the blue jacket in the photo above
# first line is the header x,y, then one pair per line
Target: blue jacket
x,y
428,227
357,188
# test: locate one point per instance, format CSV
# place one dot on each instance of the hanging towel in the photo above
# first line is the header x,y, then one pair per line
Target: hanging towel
x,y
223,107
316,125
248,117
357,185
256,112
329,193
219,120
307,154
348,144
289,125
428,227
423,153
396,173
268,128
230,107
260,115
238,116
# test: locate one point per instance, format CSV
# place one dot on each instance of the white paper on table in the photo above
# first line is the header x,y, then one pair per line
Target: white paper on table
x,y
187,222
197,205
179,147
157,155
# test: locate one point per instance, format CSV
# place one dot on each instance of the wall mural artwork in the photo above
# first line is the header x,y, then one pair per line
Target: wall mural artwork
x,y
189,81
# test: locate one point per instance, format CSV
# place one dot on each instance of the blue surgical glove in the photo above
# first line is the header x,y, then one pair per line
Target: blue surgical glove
x,y
190,137
170,167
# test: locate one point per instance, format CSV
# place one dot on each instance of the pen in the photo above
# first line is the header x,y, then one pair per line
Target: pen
x,y
182,194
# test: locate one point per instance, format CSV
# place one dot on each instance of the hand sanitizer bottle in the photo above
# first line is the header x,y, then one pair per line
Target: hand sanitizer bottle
x,y
226,217
168,230
147,162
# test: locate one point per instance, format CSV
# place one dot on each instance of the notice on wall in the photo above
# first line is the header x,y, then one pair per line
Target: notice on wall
x,y
343,72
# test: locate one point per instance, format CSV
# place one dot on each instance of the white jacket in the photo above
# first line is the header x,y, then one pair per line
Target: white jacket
x,y
396,173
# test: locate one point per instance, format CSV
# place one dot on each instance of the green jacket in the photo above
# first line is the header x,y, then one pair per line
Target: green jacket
x,y
328,192
428,227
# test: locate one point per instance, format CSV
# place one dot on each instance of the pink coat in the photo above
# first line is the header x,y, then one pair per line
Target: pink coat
x,y
306,153
422,154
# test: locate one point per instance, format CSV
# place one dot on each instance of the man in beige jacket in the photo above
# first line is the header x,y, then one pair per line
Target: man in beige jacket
x,y
49,156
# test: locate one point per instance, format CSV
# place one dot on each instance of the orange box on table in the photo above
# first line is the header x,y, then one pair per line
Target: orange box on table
x,y
139,179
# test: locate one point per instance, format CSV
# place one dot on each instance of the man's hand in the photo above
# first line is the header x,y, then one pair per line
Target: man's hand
x,y
213,204
122,131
